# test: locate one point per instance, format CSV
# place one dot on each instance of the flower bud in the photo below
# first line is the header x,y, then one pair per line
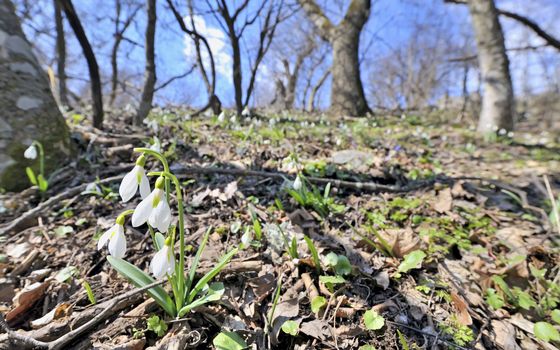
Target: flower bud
x,y
141,161
160,183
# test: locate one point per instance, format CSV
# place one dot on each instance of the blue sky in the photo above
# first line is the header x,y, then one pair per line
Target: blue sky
x,y
392,24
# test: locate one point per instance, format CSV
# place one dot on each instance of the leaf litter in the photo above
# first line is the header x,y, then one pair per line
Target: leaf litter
x,y
455,249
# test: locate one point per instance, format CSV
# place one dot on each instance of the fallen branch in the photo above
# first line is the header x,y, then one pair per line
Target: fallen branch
x,y
18,339
51,202
368,186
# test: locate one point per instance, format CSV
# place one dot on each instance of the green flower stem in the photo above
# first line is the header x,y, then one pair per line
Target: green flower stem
x,y
181,276
41,157
153,235
163,161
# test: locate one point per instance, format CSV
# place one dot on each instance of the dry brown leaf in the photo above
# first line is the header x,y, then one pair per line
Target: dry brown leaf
x,y
402,241
462,308
25,299
504,335
59,311
316,329
444,201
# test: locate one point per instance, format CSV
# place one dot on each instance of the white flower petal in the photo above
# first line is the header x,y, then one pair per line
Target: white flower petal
x,y
143,210
297,183
144,184
117,244
170,262
129,185
106,236
30,152
161,216
158,265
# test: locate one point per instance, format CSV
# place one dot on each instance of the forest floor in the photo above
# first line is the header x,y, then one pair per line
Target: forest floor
x,y
433,239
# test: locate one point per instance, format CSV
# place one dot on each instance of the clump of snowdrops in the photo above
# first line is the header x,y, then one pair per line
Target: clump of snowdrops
x,y
154,210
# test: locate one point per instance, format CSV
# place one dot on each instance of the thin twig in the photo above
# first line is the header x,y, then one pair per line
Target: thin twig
x,y
63,341
55,200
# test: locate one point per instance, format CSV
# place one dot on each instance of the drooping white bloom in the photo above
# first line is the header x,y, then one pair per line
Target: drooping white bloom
x,y
134,179
30,152
154,209
221,117
163,262
157,145
246,112
297,183
117,240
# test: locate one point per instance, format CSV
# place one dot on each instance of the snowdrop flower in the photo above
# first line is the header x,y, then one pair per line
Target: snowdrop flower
x,y
163,261
157,145
233,119
30,152
246,239
246,112
221,117
297,183
154,209
115,237
134,179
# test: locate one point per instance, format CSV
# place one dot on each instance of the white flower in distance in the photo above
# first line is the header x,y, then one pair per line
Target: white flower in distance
x,y
221,117
246,112
115,237
154,209
163,261
297,183
134,179
30,152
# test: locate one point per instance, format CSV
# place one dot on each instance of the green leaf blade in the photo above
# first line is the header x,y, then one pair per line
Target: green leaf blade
x,y
140,279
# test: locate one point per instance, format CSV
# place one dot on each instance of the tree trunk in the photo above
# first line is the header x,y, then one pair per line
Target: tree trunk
x,y
497,99
150,72
237,75
114,52
347,92
93,68
29,111
60,55
315,90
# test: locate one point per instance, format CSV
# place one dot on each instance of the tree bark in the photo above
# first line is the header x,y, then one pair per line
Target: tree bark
x,y
150,70
236,72
114,51
497,99
119,36
311,105
95,80
60,55
29,111
347,92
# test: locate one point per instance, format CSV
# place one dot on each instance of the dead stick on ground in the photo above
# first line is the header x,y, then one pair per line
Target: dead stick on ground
x,y
33,213
63,341
368,186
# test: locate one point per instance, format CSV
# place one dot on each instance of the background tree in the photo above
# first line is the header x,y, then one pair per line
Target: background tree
x,y
121,25
347,92
60,54
199,40
29,111
95,79
150,71
271,14
497,99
